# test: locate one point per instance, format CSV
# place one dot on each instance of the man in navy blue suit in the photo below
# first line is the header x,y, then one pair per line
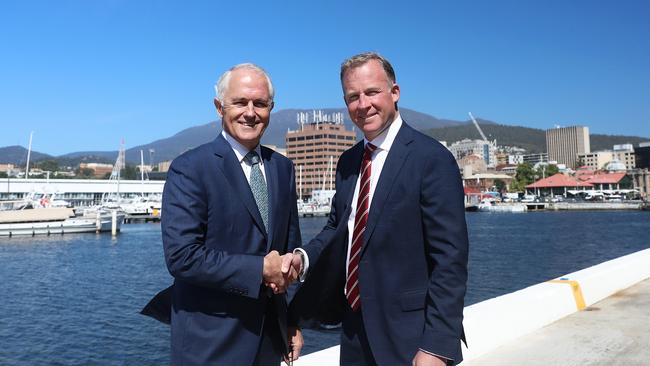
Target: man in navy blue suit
x,y
229,211
391,263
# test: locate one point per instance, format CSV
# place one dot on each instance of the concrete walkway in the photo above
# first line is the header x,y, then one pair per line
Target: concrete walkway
x,y
614,331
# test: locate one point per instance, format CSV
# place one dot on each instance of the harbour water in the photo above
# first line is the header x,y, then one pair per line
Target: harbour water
x,y
74,299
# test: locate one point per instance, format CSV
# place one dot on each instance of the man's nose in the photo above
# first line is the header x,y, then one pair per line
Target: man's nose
x,y
364,101
249,109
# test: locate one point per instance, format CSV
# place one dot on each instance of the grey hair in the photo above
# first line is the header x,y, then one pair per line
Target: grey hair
x,y
362,58
222,84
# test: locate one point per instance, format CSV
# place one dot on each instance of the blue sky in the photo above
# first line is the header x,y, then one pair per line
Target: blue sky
x,y
84,74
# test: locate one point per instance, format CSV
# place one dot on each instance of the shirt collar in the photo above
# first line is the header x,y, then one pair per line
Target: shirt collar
x,y
239,149
385,139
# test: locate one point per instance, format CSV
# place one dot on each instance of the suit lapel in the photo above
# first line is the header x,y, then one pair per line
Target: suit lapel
x,y
231,168
352,177
272,186
397,154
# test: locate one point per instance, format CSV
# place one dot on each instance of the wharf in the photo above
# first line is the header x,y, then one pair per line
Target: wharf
x,y
594,316
613,331
130,219
634,205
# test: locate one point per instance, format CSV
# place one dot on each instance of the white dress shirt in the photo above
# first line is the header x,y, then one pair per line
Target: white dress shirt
x,y
383,142
241,151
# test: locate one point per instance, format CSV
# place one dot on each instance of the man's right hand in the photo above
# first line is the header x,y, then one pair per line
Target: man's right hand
x,y
280,272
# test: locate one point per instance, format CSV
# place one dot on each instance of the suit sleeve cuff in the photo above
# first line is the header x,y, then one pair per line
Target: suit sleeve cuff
x,y
439,356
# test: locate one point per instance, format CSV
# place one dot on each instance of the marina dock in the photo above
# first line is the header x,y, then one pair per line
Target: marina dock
x,y
613,331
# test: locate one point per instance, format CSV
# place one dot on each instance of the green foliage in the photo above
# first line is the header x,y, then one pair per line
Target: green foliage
x,y
545,171
129,173
525,176
3,175
47,165
85,173
500,185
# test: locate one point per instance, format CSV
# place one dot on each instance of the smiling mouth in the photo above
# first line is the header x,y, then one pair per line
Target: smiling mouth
x,y
249,124
366,116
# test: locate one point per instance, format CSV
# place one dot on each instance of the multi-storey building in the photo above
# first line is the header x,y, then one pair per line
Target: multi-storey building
x,y
315,149
642,155
625,154
621,154
533,159
596,160
99,170
563,144
485,149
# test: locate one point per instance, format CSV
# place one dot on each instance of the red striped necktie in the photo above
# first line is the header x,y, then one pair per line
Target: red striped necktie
x,y
360,220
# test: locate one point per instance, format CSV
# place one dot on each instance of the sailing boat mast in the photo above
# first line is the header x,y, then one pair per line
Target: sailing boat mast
x,y
300,183
142,171
29,153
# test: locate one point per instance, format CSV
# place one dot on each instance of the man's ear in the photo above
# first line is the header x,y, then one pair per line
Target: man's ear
x,y
394,91
217,103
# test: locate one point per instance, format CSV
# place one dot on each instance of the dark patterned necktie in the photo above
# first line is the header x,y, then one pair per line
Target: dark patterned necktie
x,y
258,187
360,220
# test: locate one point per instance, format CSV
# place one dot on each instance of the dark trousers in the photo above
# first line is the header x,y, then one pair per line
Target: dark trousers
x,y
270,350
355,349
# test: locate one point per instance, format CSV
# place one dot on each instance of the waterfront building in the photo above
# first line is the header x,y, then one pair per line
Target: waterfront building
x,y
642,155
486,150
484,182
563,144
99,170
6,168
515,159
509,169
471,164
315,148
620,154
558,184
79,192
641,181
163,166
604,181
502,158
533,159
596,160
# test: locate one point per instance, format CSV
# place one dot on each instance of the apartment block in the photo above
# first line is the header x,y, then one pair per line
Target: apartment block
x,y
315,149
563,144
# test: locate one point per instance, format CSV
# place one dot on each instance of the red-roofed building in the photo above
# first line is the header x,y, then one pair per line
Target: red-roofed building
x,y
604,180
557,184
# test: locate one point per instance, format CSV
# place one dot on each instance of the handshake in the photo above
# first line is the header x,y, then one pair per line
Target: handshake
x,y
281,271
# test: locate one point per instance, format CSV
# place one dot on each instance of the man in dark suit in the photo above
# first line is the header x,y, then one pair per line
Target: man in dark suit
x,y
391,263
229,210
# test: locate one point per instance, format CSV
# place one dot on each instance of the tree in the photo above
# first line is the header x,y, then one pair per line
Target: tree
x,y
85,173
3,174
48,165
500,185
129,173
546,170
525,176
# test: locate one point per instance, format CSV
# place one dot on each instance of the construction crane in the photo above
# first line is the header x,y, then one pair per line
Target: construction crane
x,y
478,127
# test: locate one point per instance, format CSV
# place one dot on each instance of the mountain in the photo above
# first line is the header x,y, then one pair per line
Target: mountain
x,y
17,155
286,119
531,139
281,121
